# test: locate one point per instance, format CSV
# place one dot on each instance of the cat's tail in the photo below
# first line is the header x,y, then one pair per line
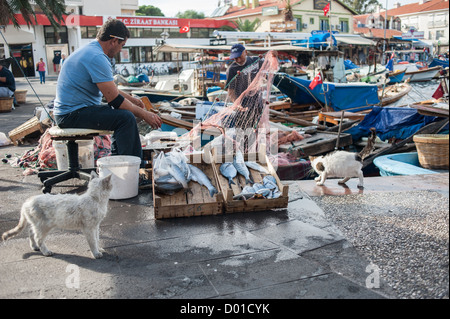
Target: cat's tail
x,y
13,232
370,144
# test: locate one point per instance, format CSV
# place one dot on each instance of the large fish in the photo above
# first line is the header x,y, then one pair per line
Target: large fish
x,y
240,166
256,167
178,174
167,185
177,157
198,176
229,171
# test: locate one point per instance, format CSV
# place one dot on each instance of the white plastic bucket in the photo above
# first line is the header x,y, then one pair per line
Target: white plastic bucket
x,y
125,174
85,154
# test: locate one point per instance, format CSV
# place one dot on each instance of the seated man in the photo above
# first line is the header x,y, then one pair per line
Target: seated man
x,y
85,78
7,83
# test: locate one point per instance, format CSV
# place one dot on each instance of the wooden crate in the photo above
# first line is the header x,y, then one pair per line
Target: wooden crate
x,y
30,126
183,204
251,205
21,96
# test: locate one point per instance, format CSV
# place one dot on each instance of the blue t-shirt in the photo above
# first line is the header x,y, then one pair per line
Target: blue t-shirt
x,y
76,87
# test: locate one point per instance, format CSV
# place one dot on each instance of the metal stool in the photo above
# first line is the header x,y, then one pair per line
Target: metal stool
x,y
70,135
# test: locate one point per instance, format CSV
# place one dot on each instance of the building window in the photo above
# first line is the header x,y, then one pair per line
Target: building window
x,y
440,34
343,24
311,21
201,33
298,22
89,32
58,37
324,24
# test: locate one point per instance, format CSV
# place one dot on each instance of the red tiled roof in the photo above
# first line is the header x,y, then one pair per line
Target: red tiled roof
x,y
417,7
236,11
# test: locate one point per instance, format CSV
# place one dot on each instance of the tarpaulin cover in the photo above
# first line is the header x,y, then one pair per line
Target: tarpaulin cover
x,y
340,96
350,65
398,122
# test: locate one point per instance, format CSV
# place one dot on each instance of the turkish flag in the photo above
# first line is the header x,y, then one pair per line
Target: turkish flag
x,y
316,81
184,29
439,92
326,9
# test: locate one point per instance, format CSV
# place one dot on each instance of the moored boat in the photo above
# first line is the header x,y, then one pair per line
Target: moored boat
x,y
400,164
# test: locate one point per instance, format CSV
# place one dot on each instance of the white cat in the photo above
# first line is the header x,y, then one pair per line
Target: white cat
x,y
66,211
342,164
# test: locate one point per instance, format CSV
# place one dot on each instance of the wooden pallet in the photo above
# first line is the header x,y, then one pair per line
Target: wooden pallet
x,y
251,205
27,128
182,204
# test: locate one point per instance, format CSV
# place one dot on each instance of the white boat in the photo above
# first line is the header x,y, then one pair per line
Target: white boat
x,y
414,74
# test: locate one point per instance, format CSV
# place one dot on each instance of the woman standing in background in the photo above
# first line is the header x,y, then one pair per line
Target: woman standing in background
x,y
41,69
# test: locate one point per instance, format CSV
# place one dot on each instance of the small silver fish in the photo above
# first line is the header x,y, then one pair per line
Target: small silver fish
x,y
229,171
240,166
198,176
256,167
270,182
247,193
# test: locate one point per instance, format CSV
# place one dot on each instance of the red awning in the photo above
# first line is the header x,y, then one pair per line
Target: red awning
x,y
98,21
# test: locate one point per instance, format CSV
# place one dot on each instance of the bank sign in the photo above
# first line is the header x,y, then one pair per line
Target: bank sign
x,y
133,21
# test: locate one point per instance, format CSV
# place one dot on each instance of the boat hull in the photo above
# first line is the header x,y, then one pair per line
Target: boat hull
x,y
423,75
400,164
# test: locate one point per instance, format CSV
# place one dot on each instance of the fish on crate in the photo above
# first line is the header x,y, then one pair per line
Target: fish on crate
x,y
228,170
268,189
173,173
256,167
240,166
198,176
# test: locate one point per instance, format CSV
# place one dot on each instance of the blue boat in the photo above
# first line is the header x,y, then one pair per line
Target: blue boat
x,y
400,164
396,77
438,62
356,96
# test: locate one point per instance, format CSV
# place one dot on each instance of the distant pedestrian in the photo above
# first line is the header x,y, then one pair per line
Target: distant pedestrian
x,y
63,59
24,65
56,61
40,67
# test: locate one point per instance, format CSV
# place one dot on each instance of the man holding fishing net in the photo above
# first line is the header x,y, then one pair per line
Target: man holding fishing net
x,y
249,80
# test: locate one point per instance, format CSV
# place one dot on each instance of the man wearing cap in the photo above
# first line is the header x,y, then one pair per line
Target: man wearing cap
x,y
87,77
242,71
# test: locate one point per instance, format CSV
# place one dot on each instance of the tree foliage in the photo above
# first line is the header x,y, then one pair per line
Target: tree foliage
x,y
247,25
190,14
149,11
362,6
53,10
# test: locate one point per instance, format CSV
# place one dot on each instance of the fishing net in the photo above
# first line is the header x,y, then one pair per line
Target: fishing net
x,y
243,120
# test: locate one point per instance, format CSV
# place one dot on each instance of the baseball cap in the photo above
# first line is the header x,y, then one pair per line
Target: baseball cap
x,y
236,51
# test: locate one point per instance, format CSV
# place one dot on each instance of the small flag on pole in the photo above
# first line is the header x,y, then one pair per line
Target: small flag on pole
x,y
184,29
326,9
316,81
439,92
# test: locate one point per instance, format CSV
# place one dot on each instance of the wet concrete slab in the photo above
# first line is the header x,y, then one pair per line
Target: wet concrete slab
x,y
292,253
436,182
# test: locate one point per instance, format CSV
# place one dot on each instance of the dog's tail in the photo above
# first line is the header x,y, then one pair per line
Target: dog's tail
x,y
13,232
370,145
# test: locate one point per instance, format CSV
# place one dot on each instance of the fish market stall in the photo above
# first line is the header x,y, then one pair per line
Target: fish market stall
x,y
185,186
249,183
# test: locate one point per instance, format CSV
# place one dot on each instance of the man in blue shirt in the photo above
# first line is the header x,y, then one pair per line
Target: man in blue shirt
x,y
7,84
86,77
